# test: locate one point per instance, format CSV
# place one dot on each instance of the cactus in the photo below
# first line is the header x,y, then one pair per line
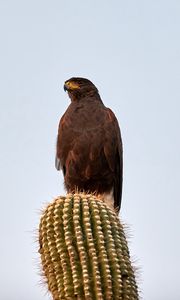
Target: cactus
x,y
84,252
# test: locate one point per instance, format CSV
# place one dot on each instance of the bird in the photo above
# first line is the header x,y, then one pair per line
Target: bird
x,y
89,147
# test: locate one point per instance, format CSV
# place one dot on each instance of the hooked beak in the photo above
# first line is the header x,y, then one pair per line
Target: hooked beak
x,y
65,88
70,86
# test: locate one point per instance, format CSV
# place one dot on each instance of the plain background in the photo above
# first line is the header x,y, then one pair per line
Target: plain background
x,y
131,51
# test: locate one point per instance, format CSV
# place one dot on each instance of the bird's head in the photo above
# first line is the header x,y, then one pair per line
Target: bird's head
x,y
78,87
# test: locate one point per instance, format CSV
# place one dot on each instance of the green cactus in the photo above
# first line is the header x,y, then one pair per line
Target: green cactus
x,y
84,252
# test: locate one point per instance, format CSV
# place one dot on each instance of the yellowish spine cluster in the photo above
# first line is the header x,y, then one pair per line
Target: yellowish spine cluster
x,y
84,252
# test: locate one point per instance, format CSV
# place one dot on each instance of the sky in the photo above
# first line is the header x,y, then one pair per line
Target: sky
x,y
131,51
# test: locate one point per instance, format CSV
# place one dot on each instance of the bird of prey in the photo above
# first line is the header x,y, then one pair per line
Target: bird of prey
x,y
89,145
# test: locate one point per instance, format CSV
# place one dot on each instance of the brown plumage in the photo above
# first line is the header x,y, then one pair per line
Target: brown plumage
x,y
89,146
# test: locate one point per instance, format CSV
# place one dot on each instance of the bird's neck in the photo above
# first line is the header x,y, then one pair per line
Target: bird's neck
x,y
89,96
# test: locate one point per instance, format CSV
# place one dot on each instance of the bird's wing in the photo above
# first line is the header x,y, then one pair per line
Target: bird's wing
x,y
66,141
114,154
58,161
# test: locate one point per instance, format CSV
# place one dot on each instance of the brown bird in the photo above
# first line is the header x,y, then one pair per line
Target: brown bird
x,y
89,145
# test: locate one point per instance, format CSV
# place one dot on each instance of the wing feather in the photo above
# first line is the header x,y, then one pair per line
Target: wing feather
x,y
114,154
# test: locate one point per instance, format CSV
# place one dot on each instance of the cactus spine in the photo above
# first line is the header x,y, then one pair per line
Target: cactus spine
x,y
84,252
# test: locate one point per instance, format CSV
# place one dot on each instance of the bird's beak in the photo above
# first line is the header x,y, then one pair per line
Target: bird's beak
x,y
70,86
65,88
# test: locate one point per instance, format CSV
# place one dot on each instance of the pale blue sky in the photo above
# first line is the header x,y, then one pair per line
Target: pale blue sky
x,y
131,51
